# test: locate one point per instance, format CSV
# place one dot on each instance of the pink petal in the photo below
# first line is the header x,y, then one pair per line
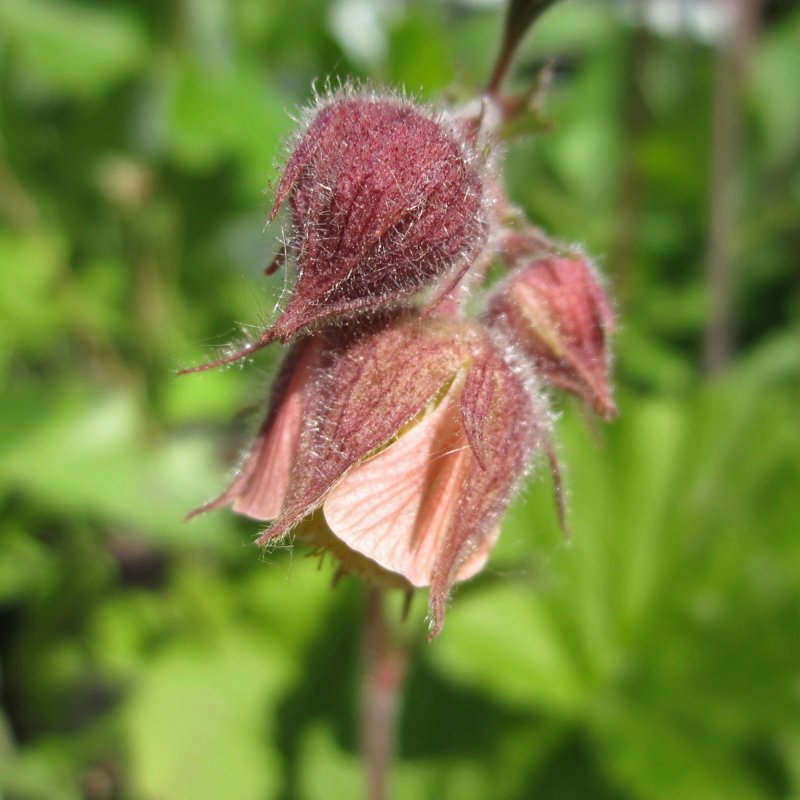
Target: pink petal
x,y
397,507
373,386
260,488
268,477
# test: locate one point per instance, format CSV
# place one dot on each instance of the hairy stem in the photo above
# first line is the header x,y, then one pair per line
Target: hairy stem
x,y
385,664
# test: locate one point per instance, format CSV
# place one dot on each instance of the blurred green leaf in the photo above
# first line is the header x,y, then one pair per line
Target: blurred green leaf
x,y
418,59
653,759
522,662
74,47
196,723
218,114
776,57
85,454
25,565
30,268
324,766
39,773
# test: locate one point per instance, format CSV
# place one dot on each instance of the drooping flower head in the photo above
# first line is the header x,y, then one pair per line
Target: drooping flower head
x,y
398,431
396,448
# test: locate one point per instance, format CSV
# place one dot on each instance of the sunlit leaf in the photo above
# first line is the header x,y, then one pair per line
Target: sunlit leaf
x,y
198,724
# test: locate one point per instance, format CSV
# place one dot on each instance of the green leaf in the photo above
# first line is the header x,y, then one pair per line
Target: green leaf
x,y
199,725
419,59
654,758
777,56
505,643
81,453
74,47
323,765
215,114
30,267
25,564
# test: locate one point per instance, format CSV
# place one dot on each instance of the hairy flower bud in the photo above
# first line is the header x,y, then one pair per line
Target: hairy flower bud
x,y
384,199
557,311
416,434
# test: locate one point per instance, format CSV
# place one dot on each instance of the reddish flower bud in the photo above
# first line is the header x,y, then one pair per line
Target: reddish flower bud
x,y
556,309
384,199
416,436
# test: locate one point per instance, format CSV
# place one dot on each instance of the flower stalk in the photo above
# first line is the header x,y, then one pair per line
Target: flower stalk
x,y
385,667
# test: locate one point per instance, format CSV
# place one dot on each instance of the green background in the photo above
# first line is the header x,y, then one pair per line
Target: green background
x,y
655,655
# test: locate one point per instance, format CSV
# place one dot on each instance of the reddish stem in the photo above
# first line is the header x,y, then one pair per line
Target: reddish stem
x,y
385,665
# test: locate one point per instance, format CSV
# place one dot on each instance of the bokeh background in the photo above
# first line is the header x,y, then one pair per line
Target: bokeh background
x,y
655,655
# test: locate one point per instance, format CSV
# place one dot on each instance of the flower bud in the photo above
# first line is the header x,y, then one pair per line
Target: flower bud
x,y
557,311
385,198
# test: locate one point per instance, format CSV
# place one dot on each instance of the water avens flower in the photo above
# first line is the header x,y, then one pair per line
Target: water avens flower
x,y
400,426
415,435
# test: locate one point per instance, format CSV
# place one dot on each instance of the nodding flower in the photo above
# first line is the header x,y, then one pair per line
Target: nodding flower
x,y
399,427
556,310
397,448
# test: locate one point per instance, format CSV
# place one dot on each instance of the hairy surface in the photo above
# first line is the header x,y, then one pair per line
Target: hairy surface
x,y
556,310
370,386
384,199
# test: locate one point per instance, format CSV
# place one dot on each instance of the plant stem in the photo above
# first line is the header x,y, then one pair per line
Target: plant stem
x,y
732,58
520,15
385,664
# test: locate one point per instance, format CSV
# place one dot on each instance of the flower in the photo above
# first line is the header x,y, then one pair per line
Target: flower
x,y
397,448
555,308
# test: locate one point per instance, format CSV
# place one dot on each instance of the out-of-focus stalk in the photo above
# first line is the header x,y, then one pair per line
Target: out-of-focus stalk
x,y
731,68
520,16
